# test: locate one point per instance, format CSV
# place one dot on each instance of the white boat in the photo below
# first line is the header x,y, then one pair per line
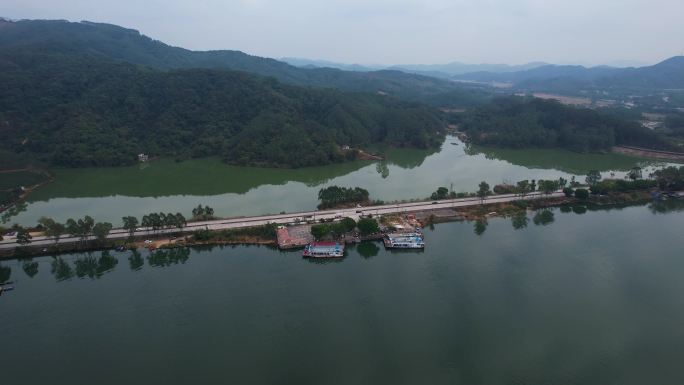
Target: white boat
x,y
324,250
404,241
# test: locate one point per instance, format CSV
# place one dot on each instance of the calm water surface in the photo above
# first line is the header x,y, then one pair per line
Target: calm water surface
x,y
596,298
107,194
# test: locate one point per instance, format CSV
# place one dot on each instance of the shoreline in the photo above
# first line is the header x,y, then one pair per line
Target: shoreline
x,y
426,218
648,153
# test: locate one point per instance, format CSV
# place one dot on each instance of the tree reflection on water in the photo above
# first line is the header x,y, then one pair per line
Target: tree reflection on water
x,y
92,267
168,257
61,269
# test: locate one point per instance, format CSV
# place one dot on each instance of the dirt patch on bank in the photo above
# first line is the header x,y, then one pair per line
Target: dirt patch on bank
x,y
646,153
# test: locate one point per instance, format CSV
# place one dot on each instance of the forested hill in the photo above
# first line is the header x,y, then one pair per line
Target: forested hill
x,y
73,110
111,42
530,122
668,74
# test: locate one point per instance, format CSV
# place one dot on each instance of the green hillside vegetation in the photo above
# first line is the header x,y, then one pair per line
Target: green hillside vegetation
x,y
111,42
71,110
530,122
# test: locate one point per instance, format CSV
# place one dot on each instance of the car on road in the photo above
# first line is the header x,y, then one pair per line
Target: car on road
x,y
147,241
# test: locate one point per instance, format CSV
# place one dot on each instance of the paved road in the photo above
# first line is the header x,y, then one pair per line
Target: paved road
x,y
233,223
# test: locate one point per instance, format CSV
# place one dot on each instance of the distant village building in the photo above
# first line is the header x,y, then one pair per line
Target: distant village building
x,y
143,157
346,148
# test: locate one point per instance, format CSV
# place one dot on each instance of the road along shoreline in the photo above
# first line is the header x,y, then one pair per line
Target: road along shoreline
x,y
237,230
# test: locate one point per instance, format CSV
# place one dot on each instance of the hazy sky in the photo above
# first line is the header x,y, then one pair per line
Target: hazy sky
x,y
395,31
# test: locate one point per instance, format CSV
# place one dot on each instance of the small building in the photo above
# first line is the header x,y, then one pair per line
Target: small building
x,y
143,157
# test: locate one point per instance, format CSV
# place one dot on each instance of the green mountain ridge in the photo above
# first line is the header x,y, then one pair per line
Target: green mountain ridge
x,y
111,42
75,110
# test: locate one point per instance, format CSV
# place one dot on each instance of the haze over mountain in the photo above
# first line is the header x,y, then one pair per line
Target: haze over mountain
x,y
117,43
668,74
440,70
396,31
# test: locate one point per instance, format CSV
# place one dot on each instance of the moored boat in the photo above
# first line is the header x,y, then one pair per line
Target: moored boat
x,y
404,241
324,250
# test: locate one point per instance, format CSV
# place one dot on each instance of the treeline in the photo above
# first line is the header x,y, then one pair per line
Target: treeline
x,y
78,111
334,196
264,232
518,122
335,230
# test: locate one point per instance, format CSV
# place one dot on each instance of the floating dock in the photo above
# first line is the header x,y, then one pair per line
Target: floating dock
x,y
404,241
324,250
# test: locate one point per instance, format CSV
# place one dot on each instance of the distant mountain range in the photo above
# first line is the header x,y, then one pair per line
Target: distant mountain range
x,y
417,82
434,70
668,74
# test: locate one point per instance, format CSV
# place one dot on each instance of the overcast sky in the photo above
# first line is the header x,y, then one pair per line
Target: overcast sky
x,y
395,31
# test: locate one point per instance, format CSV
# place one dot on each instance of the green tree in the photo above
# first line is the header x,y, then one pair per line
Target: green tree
x,y
338,228
146,221
23,236
81,228
441,193
483,191
582,193
180,221
548,186
130,223
368,226
156,221
670,178
320,231
349,224
635,173
593,177
52,228
202,213
164,220
573,182
523,187
101,231
333,196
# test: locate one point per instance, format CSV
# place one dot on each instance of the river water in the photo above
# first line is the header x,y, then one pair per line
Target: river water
x,y
595,297
107,194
